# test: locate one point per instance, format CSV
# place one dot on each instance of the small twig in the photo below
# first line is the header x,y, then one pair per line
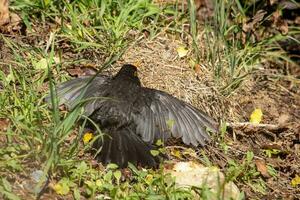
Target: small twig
x,y
176,67
242,125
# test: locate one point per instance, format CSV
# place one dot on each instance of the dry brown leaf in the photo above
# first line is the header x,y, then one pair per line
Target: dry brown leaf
x,y
4,12
77,71
262,168
4,123
82,71
258,17
280,23
126,173
197,68
283,27
8,21
14,19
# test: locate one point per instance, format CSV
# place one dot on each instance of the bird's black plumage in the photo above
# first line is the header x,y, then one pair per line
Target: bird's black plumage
x,y
134,117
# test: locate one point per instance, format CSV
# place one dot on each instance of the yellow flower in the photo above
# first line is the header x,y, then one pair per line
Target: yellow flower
x,y
256,116
87,137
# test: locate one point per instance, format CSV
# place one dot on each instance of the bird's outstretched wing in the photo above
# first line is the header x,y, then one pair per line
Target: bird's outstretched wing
x,y
159,115
69,92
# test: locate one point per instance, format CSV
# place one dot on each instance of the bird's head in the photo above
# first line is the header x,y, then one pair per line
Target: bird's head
x,y
128,72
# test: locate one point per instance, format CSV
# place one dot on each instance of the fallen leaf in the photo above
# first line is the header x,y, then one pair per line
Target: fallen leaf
x,y
14,22
9,22
61,188
295,181
159,142
283,26
154,152
118,175
4,123
258,17
149,179
4,12
250,25
170,123
126,173
182,51
98,183
262,168
256,116
176,153
197,68
77,71
41,64
189,152
82,71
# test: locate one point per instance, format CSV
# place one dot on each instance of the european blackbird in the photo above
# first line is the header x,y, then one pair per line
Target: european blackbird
x,y
133,117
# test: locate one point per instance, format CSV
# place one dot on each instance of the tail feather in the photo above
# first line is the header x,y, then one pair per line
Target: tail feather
x,y
123,146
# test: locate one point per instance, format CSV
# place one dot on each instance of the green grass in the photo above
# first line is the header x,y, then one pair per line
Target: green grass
x,y
38,138
234,54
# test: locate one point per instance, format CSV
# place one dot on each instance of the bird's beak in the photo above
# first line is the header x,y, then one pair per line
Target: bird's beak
x,y
137,64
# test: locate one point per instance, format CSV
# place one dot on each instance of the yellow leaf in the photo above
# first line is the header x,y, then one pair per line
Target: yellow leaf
x,y
256,116
98,183
182,51
149,179
295,181
61,188
159,142
87,137
170,123
154,152
41,64
176,153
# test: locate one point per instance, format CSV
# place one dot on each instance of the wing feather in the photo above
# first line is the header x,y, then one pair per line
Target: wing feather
x,y
158,108
69,92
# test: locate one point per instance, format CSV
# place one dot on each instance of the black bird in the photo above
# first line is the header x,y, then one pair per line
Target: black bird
x,y
133,117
